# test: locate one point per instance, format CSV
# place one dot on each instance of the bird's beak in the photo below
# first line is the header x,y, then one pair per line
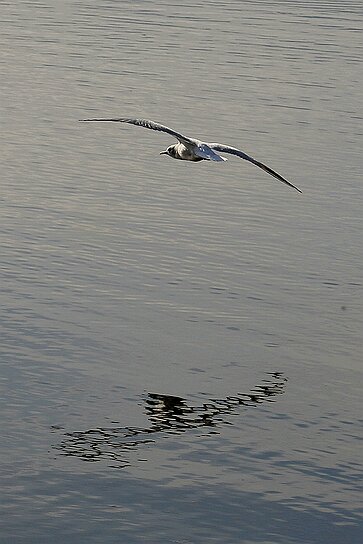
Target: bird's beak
x,y
163,152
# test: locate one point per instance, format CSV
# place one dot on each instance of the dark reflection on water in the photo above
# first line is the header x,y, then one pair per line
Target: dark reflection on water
x,y
167,414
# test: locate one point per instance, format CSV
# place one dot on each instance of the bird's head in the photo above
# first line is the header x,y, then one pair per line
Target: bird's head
x,y
171,151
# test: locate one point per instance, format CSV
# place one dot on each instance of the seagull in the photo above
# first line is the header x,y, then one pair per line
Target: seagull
x,y
190,149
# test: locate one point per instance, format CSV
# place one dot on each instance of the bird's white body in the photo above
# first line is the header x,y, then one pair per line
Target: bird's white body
x,y
190,149
194,151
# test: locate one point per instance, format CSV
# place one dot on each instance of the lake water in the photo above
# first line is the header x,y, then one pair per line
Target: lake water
x,y
181,344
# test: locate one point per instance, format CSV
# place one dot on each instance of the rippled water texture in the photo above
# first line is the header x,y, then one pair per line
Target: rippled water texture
x,y
181,352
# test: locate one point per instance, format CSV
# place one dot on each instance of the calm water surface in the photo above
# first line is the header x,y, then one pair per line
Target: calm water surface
x,y
181,353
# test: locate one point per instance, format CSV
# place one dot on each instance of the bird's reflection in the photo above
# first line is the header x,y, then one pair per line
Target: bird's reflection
x,y
167,415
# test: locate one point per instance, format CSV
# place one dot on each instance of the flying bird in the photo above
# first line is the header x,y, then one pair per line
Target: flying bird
x,y
190,149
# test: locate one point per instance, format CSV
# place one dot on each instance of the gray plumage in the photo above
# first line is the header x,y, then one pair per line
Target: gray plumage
x,y
190,149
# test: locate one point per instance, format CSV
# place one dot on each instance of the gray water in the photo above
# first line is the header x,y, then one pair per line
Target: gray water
x,y
181,353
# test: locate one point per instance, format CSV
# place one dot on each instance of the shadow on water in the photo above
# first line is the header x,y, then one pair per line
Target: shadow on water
x,y
167,414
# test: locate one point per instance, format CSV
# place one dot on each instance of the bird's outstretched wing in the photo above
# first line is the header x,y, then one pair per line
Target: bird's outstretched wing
x,y
242,155
204,151
146,123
